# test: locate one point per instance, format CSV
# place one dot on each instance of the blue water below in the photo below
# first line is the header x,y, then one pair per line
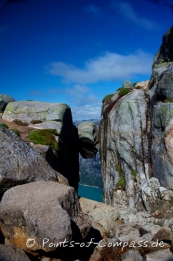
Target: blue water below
x,y
90,193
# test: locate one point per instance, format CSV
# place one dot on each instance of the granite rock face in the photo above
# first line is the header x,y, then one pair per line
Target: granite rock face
x,y
44,211
165,52
161,106
4,100
41,115
105,216
28,111
48,153
20,163
87,139
136,138
124,144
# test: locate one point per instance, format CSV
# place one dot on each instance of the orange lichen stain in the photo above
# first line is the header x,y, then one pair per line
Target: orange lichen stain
x,y
118,222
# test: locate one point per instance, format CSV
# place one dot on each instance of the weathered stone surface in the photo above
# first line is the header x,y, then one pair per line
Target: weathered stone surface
x,y
4,100
164,235
20,163
132,254
104,215
55,125
165,85
161,255
44,212
136,139
161,86
127,84
125,156
87,139
48,154
130,231
115,249
52,116
150,195
12,253
165,52
28,111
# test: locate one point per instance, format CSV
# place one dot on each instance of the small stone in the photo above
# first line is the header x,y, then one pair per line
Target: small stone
x,y
164,254
166,223
156,212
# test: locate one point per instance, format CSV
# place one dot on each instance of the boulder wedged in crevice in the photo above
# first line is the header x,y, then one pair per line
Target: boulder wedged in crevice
x,y
87,132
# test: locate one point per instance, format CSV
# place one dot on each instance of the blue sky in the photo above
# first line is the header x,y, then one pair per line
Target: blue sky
x,y
78,51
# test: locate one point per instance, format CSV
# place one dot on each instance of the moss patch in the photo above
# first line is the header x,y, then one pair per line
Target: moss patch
x,y
44,137
167,100
123,91
4,125
16,131
134,173
121,182
36,121
107,98
19,122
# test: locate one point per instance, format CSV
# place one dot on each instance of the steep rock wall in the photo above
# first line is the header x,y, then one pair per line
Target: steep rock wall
x,y
124,144
136,137
161,97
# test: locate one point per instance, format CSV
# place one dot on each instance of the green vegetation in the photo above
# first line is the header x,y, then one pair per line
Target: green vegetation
x,y
167,100
107,98
44,137
19,122
4,125
135,85
121,182
134,173
16,131
161,63
123,91
36,121
133,150
119,169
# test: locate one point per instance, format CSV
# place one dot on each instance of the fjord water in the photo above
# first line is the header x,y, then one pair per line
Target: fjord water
x,y
90,192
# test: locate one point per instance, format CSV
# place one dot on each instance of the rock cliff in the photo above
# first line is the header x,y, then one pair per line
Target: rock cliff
x,y
135,135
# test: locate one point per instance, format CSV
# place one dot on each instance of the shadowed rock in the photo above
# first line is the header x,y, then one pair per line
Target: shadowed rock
x,y
42,115
161,87
11,253
165,52
4,100
20,163
87,139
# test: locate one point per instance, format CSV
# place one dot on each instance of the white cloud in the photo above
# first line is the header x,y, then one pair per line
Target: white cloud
x,y
109,66
129,13
81,95
86,112
77,89
92,9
